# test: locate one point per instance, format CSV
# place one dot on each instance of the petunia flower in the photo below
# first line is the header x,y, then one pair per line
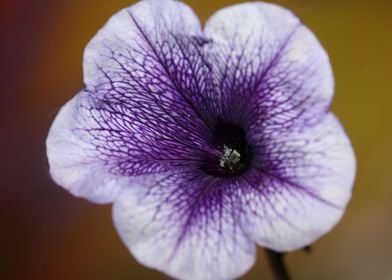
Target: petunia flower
x,y
208,141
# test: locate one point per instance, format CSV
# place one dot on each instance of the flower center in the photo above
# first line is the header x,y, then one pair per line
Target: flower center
x,y
235,157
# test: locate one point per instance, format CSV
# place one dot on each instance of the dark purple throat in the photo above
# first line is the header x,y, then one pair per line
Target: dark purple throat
x,y
235,156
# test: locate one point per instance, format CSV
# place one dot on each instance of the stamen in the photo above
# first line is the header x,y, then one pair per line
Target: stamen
x,y
235,155
231,159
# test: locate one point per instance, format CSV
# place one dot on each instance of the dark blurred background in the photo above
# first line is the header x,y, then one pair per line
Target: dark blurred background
x,y
45,233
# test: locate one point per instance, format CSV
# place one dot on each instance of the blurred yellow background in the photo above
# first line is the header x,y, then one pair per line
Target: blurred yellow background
x,y
48,234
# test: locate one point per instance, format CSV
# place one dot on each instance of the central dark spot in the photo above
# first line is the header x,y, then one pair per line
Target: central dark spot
x,y
235,157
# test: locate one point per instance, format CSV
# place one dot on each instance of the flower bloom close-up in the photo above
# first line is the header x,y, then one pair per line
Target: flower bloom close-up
x,y
208,140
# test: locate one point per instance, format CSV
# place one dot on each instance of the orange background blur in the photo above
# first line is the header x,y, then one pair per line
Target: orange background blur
x,y
45,233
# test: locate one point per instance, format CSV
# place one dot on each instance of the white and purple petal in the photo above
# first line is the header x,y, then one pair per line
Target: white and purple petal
x,y
140,112
270,70
185,224
74,159
301,185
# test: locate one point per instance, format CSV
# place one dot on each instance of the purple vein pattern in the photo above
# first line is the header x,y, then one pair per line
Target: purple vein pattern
x,y
209,140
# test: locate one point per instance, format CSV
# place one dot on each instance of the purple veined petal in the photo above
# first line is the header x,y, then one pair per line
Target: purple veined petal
x,y
73,161
302,188
142,31
270,67
185,224
141,111
148,56
95,148
147,60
